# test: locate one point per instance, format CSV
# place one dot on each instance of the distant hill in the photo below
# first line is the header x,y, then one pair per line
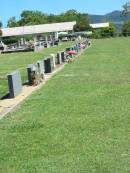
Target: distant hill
x,y
114,17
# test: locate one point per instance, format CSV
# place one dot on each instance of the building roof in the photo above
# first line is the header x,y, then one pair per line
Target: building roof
x,y
37,29
99,25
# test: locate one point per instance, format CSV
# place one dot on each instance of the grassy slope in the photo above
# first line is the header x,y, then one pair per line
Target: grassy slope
x,y
14,61
78,122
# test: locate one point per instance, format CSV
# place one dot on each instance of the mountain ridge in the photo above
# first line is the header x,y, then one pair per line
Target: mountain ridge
x,y
114,17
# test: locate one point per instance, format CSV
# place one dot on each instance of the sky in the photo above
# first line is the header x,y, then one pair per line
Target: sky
x,y
9,8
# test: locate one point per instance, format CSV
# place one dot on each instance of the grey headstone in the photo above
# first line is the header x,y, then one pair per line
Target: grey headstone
x,y
31,69
53,59
40,67
14,83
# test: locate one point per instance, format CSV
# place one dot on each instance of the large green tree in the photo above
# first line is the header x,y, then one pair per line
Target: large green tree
x,y
32,18
126,29
126,9
108,31
12,22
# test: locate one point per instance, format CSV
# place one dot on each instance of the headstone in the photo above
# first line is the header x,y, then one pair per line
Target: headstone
x,y
49,65
40,67
56,35
31,70
46,45
15,84
63,56
76,48
79,46
59,60
34,76
52,43
56,42
53,59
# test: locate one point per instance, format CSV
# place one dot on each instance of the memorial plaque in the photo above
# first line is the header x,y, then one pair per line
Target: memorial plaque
x,y
14,83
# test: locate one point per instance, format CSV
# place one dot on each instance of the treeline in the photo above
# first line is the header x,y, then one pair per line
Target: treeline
x,y
37,17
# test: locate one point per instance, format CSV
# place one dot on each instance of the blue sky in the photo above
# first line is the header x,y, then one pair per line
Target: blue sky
x,y
9,8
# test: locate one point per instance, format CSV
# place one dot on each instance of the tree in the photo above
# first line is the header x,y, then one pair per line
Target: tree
x,y
32,18
105,32
82,22
126,9
12,22
108,31
126,29
1,24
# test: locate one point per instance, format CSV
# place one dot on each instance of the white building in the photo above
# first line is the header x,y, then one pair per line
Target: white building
x,y
38,29
99,25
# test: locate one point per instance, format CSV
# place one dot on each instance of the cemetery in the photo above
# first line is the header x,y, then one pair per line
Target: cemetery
x,y
37,74
76,112
64,87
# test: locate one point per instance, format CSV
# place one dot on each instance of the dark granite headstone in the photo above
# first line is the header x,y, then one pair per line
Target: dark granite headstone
x,y
49,65
46,45
56,42
63,56
14,83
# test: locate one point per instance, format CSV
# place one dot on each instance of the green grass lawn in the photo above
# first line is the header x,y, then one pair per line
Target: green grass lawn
x,y
79,122
19,61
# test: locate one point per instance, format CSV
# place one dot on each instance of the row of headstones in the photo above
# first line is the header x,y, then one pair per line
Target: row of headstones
x,y
36,72
48,44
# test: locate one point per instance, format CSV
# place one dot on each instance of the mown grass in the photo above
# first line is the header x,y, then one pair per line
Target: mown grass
x,y
19,61
78,122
